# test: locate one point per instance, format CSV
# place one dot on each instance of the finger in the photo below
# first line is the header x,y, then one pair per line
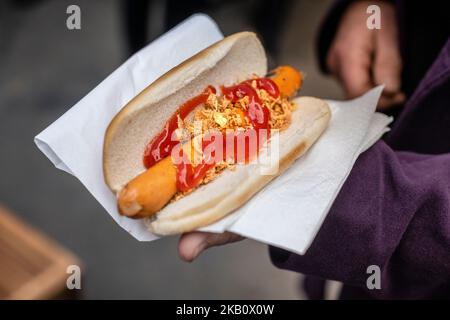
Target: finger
x,y
387,69
332,61
352,67
387,102
354,73
350,55
192,244
387,61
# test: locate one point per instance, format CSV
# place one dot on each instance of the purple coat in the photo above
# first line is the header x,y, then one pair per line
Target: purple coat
x,y
394,209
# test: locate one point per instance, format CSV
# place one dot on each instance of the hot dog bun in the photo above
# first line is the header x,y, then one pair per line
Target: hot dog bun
x,y
235,58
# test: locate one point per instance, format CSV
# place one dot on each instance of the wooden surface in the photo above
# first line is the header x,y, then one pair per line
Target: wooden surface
x,y
32,266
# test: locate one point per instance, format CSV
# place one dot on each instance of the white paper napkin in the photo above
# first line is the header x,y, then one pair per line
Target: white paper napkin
x,y
287,213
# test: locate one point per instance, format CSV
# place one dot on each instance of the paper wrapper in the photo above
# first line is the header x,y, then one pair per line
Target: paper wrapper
x,y
287,213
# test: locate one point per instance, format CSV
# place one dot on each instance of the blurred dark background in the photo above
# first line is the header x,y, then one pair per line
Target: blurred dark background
x,y
46,69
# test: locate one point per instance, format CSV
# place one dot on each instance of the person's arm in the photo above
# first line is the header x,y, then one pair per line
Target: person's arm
x,y
394,212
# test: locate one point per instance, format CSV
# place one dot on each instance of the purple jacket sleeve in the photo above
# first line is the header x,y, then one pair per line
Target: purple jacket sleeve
x,y
394,212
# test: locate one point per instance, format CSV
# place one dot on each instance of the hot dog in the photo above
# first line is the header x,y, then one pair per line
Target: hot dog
x,y
137,200
177,184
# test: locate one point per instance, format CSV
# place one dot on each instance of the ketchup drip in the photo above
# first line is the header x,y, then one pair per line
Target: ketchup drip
x,y
161,146
267,84
256,112
188,175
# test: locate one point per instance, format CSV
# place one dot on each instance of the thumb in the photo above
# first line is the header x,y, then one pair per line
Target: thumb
x,y
192,244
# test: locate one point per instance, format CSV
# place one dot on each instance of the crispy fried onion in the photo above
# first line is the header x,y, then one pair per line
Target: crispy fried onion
x,y
219,113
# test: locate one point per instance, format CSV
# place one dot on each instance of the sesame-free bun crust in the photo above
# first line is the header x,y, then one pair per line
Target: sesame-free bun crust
x,y
229,61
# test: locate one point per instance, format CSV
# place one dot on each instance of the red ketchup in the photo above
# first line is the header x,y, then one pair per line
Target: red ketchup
x,y
267,84
189,175
161,146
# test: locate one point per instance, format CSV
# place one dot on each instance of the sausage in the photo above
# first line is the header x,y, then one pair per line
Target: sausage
x,y
288,80
150,191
